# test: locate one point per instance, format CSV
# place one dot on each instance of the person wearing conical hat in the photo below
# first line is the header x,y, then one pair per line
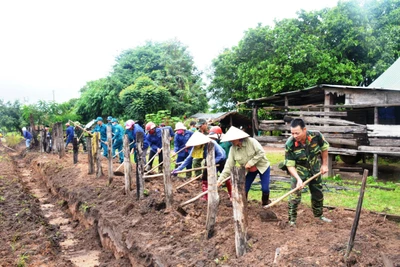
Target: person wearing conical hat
x,y
200,140
182,135
249,153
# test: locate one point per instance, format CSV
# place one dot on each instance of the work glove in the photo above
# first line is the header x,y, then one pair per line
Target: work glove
x,y
174,172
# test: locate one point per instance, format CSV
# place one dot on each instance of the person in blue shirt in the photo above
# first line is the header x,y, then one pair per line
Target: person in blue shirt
x,y
109,123
182,135
154,138
28,137
69,134
102,129
117,141
199,139
131,129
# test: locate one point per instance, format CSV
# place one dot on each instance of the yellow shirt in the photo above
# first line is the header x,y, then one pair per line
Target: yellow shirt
x,y
198,152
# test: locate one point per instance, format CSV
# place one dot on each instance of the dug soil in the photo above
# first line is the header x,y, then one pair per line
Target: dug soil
x,y
144,233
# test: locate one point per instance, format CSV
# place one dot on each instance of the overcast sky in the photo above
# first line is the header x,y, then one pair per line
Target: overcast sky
x,y
58,46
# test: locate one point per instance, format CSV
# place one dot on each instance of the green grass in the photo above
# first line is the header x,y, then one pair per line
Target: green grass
x,y
275,157
374,199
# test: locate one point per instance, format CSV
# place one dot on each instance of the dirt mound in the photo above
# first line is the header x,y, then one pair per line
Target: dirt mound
x,y
143,232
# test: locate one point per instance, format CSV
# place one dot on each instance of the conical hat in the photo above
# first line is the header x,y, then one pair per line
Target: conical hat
x,y
197,139
234,134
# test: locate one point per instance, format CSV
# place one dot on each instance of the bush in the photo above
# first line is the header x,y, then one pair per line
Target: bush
x,y
13,139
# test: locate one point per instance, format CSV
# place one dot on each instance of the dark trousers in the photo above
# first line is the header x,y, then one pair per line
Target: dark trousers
x,y
160,159
250,176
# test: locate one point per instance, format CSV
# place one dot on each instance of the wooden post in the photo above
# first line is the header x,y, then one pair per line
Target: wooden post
x,y
42,140
357,217
58,139
254,120
75,148
96,140
90,155
327,102
110,157
330,163
239,203
213,197
127,165
166,166
375,164
139,165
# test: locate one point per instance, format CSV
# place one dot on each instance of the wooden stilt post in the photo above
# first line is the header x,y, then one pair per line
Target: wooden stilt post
x,y
127,165
90,155
166,168
330,163
239,204
213,197
357,217
110,157
75,148
375,163
139,165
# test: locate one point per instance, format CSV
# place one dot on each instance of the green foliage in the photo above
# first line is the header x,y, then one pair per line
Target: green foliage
x,y
162,116
371,180
13,139
22,259
47,113
146,79
350,44
10,119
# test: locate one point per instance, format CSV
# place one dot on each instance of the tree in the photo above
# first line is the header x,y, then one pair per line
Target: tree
x,y
10,119
341,45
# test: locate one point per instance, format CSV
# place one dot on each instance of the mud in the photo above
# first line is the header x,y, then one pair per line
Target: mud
x,y
142,233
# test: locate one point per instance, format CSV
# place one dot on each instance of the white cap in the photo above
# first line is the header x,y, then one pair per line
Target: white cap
x,y
23,129
179,126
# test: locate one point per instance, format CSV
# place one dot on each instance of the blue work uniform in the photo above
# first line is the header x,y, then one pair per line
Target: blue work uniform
x,y
180,141
103,137
117,141
70,135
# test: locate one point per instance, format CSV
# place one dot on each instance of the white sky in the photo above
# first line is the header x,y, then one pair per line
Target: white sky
x,y
61,45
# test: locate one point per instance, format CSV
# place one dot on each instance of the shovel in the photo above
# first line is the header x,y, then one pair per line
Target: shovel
x,y
118,173
162,163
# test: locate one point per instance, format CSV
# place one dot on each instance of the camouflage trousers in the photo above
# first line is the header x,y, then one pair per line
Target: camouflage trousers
x,y
317,198
196,163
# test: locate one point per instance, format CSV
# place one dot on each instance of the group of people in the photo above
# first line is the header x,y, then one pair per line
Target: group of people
x,y
306,154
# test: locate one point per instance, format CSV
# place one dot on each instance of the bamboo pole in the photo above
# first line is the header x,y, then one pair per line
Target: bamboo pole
x,y
190,181
201,194
213,197
357,216
162,162
151,159
273,203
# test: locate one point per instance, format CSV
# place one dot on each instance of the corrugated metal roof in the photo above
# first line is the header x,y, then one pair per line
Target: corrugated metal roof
x,y
208,116
390,79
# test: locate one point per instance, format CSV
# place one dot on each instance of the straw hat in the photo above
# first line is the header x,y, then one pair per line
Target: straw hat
x,y
197,139
234,134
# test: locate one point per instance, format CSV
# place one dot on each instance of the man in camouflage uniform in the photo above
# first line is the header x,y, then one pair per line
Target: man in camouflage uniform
x,y
302,159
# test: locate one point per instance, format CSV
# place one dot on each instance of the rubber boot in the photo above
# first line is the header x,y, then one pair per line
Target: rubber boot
x,y
204,187
265,199
229,187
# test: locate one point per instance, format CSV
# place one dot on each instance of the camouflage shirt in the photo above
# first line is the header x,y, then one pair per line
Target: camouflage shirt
x,y
306,158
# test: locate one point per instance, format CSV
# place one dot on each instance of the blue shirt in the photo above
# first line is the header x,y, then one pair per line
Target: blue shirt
x,y
70,133
155,140
102,130
132,136
220,155
181,140
27,135
118,132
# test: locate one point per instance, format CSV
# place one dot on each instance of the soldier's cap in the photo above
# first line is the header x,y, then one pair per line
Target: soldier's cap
x,y
197,139
99,119
200,122
109,118
114,120
234,134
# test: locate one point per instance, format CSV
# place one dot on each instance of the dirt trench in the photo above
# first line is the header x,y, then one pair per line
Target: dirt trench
x,y
139,233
